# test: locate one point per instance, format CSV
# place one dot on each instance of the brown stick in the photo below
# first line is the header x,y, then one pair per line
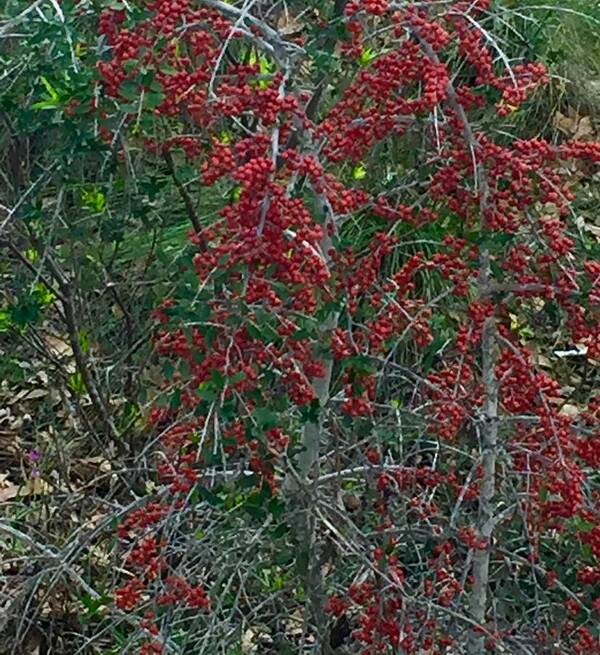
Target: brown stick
x,y
68,303
185,196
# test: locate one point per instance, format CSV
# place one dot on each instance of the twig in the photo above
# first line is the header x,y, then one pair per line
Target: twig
x,y
187,200
68,305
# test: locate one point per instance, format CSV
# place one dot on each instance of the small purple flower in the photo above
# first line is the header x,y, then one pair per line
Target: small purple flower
x,y
34,455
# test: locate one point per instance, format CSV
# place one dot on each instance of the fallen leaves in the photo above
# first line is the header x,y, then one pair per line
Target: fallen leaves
x,y
574,126
58,346
254,639
34,486
88,468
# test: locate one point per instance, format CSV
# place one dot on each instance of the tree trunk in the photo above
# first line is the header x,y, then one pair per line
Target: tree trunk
x,y
489,439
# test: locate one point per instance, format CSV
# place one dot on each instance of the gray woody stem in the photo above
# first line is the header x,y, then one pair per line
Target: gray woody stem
x,y
485,519
309,458
489,429
308,462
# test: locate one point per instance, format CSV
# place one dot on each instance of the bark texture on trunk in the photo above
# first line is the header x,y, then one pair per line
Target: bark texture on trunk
x,y
488,435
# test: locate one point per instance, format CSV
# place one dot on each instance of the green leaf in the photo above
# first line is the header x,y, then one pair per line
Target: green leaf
x,y
265,418
360,363
175,401
276,533
359,172
76,384
94,604
255,502
25,313
45,104
94,200
153,99
52,92
366,56
168,369
208,496
581,525
237,377
276,507
167,68
6,321
43,295
207,393
247,481
217,378
310,413
130,90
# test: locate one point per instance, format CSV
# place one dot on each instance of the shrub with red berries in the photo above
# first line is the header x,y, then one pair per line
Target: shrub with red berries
x,y
303,363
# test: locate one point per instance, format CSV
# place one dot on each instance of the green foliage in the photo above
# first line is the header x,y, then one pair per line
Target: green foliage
x,y
117,229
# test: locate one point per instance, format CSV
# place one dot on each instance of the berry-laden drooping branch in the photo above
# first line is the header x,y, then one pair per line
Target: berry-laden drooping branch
x,y
301,361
